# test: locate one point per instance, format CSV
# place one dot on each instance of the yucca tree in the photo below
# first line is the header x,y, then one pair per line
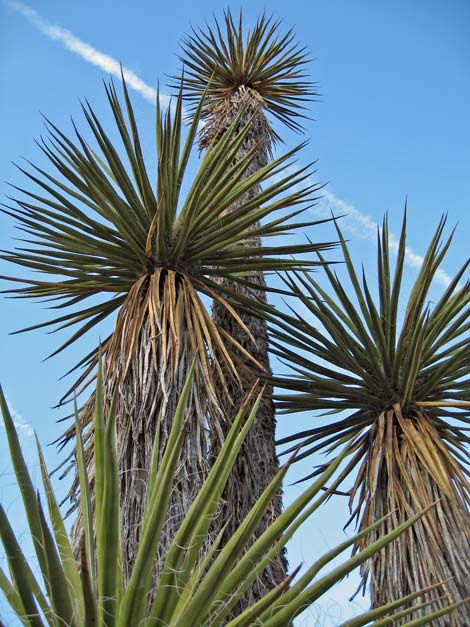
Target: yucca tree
x,y
406,390
195,590
98,227
254,73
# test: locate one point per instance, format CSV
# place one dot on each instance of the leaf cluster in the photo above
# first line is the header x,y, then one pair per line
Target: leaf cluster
x,y
351,355
263,61
101,228
193,590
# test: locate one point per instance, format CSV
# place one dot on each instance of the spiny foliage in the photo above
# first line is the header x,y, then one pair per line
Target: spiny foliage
x,y
102,228
407,393
194,590
423,362
263,64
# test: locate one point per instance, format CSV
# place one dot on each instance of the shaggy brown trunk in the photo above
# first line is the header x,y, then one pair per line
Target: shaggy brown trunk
x,y
148,394
257,463
436,549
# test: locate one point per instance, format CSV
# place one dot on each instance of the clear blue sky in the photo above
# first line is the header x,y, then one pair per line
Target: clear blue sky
x,y
392,122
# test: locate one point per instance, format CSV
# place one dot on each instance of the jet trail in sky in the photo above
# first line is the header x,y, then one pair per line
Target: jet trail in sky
x,y
87,52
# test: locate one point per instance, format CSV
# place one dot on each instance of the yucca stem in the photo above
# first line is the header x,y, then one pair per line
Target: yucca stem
x,y
257,462
149,384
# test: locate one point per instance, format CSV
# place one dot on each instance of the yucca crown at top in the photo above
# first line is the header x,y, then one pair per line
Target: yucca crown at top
x,y
262,64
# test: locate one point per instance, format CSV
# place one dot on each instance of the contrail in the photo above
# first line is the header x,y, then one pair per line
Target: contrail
x,y
87,52
18,421
364,227
354,222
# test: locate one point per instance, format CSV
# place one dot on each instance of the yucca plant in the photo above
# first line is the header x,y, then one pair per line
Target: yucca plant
x,y
247,74
100,228
406,390
195,590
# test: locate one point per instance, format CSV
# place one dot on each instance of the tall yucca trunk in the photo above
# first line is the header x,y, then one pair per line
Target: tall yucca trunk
x,y
400,483
146,364
148,400
257,462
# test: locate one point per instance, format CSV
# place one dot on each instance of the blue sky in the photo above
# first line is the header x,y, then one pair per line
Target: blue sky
x,y
392,122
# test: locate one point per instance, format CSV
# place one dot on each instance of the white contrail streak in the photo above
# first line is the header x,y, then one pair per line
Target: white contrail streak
x,y
354,222
364,227
18,420
87,52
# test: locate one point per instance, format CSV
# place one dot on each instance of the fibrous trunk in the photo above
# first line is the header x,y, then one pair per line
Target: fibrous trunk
x,y
402,478
149,398
147,363
257,462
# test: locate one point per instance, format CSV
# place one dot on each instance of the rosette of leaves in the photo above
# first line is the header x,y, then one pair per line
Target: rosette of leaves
x,y
100,230
232,64
195,588
405,388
